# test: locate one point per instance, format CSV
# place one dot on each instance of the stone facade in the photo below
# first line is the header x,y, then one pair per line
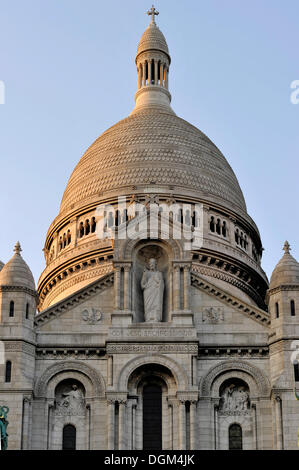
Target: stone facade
x,y
218,347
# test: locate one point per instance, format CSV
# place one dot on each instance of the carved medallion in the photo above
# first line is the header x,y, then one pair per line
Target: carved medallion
x,y
91,315
212,315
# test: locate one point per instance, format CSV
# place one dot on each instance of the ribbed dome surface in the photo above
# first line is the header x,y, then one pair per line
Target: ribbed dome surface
x,y
286,272
152,39
16,273
153,147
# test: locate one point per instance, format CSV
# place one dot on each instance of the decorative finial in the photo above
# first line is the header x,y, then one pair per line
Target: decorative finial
x,y
286,247
17,248
153,12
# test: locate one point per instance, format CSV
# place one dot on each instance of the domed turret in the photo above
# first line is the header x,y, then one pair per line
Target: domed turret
x,y
286,272
16,272
152,38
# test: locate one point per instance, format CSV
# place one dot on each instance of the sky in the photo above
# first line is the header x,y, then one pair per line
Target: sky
x,y
69,74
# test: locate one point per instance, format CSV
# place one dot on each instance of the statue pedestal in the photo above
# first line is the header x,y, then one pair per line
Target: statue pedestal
x,y
182,318
122,318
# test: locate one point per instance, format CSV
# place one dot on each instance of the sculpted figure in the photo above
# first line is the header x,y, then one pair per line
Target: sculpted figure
x,y
72,400
152,285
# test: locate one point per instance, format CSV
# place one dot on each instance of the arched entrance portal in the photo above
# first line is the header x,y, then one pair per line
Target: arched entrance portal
x,y
152,417
152,388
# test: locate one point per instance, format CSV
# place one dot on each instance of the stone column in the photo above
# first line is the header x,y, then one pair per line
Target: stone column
x,y
117,273
166,78
156,72
127,287
182,431
139,76
110,423
278,415
110,370
176,290
150,72
122,436
161,74
26,423
144,73
193,425
186,287
134,426
170,292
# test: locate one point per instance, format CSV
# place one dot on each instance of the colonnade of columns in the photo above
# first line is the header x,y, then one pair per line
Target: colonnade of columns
x,y
125,429
152,72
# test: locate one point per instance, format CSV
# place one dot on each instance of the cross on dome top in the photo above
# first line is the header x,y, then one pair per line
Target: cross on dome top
x,y
286,247
153,12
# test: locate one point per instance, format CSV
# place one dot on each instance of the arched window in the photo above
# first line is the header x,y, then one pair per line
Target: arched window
x,y
218,227
69,437
152,72
212,224
27,311
235,437
87,227
81,230
11,308
181,216
224,229
93,225
277,310
117,218
293,310
296,371
69,237
8,372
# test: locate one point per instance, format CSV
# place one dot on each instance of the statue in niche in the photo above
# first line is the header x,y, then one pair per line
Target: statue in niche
x,y
152,285
71,402
234,400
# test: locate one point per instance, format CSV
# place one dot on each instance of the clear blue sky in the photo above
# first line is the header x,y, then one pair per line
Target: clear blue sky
x,y
69,71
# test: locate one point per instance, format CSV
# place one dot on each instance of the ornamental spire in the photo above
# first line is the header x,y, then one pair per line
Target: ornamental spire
x,y
17,248
153,12
286,247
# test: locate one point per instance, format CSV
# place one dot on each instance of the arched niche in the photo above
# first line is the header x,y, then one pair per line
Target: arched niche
x,y
70,398
143,252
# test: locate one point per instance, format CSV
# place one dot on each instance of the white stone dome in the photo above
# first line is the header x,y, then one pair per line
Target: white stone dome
x,y
16,272
151,40
153,147
286,272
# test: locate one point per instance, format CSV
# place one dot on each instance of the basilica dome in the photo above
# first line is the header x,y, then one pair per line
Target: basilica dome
x,y
153,147
153,153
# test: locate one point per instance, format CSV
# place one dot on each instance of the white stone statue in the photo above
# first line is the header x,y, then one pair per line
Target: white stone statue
x,y
152,285
72,402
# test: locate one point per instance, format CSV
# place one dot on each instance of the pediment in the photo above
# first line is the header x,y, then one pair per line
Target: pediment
x,y
87,303
223,298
